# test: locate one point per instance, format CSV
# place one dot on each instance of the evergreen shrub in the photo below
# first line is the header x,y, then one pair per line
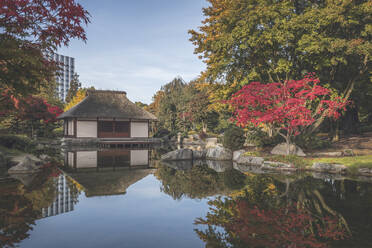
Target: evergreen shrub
x,y
234,138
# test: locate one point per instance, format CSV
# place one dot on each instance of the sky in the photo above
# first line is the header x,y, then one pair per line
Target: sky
x,y
137,45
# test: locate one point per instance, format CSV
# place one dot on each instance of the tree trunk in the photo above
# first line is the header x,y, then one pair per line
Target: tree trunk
x,y
350,122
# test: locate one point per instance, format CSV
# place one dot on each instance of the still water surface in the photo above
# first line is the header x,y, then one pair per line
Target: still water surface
x,y
122,198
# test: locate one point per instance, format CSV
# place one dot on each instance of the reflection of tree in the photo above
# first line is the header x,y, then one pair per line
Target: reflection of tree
x,y
21,205
259,216
198,182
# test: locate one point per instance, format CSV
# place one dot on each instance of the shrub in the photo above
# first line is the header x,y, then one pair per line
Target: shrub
x,y
312,142
261,139
234,138
21,143
161,133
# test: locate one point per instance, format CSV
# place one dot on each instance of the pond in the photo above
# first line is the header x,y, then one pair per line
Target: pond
x,y
125,198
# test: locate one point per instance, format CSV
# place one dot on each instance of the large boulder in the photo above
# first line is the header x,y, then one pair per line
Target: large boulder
x,y
181,154
281,149
237,154
26,165
219,153
331,168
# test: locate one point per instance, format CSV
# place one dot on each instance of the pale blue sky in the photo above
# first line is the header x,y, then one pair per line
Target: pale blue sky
x,y
137,45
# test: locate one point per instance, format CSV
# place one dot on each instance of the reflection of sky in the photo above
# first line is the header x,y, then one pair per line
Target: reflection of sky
x,y
143,217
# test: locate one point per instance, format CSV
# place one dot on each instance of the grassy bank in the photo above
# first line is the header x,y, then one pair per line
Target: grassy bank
x,y
352,163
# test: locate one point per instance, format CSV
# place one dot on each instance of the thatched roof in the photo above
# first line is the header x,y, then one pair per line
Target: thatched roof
x,y
107,104
109,182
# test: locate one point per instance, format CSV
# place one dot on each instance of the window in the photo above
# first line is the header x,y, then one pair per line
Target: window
x,y
122,127
105,126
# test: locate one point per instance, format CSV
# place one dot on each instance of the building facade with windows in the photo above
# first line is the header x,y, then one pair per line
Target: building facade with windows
x,y
106,114
65,73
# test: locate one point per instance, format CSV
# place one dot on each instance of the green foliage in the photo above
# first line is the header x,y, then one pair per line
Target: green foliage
x,y
312,142
75,85
261,139
234,138
234,179
268,41
17,142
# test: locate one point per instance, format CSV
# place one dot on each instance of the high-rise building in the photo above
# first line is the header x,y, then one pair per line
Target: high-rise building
x,y
64,201
66,73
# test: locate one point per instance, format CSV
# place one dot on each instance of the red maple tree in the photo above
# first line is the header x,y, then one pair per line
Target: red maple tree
x,y
286,107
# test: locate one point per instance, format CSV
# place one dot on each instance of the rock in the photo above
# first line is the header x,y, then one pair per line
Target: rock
x,y
27,165
271,165
198,154
348,152
365,171
250,160
219,153
331,168
219,166
237,154
210,142
281,149
181,154
328,154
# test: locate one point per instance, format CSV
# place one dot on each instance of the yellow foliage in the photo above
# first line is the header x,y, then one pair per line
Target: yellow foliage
x,y
80,95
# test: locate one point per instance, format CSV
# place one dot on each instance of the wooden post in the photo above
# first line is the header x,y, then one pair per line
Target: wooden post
x,y
75,127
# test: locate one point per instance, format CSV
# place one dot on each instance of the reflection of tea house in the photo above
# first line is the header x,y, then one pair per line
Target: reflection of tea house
x,y
107,114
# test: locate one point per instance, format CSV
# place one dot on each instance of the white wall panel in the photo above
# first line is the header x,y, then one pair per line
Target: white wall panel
x,y
139,157
139,129
86,159
86,129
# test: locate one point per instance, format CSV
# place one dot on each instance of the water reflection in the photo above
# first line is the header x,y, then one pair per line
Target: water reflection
x,y
246,209
24,201
112,158
107,172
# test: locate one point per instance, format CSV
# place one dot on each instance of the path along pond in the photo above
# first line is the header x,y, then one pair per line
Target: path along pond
x,y
125,198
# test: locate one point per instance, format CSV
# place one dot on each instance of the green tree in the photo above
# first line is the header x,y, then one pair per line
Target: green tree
x,y
75,85
272,41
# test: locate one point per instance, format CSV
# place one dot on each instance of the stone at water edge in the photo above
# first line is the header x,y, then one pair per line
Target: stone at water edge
x,y
219,153
272,165
250,160
325,167
237,154
181,154
198,154
281,149
27,165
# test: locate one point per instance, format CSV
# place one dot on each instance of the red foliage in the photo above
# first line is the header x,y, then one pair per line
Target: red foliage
x,y
53,22
35,108
285,106
284,227
29,108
